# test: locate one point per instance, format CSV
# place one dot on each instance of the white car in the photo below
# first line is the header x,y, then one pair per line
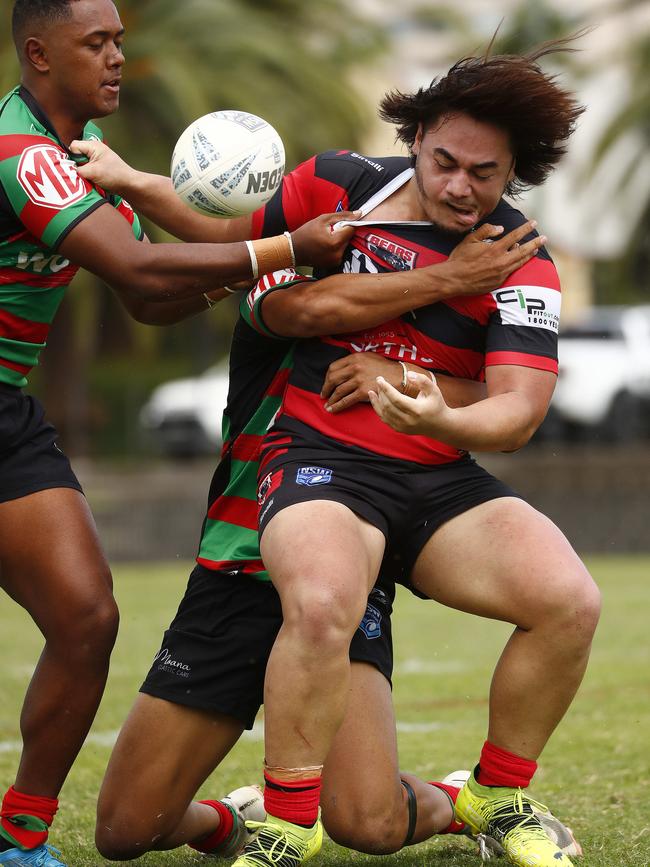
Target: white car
x,y
183,417
603,390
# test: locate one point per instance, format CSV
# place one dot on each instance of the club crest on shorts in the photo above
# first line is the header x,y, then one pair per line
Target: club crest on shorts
x,y
269,483
311,476
371,623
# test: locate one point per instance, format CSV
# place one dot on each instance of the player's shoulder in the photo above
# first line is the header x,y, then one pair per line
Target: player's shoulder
x,y
358,174
18,131
507,215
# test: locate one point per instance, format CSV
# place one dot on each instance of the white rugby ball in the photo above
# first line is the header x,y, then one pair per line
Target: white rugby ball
x,y
227,163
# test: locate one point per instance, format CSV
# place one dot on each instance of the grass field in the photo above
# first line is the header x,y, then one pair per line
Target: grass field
x,y
595,773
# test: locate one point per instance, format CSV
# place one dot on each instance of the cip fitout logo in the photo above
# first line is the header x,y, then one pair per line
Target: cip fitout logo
x,y
536,306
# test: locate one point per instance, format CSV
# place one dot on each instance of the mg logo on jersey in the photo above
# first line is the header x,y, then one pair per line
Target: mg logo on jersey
x,y
536,306
49,178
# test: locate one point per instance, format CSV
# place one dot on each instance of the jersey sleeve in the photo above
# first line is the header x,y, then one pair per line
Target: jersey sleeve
x,y
525,317
45,192
329,182
250,307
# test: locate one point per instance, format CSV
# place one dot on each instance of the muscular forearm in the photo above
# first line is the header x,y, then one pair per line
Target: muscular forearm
x,y
349,302
502,423
171,312
456,392
154,196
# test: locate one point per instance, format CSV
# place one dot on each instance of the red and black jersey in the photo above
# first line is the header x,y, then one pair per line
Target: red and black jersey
x,y
515,324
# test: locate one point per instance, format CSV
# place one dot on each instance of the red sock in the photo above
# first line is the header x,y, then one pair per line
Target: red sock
x,y
295,801
209,844
34,813
453,827
498,767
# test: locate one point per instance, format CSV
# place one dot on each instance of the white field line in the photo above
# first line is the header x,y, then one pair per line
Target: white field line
x,y
107,739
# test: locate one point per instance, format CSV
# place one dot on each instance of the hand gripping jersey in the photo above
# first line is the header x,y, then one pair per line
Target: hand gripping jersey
x,y
42,198
516,324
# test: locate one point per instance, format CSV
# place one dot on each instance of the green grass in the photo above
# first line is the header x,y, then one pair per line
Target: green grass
x,y
595,772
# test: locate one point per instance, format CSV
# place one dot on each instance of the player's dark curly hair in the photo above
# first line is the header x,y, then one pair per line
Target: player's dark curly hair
x,y
511,92
27,12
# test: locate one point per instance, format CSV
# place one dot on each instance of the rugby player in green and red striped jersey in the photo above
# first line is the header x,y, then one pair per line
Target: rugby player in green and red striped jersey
x,y
51,222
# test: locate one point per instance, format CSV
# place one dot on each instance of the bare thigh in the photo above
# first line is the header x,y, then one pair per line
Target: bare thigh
x,y
502,560
51,561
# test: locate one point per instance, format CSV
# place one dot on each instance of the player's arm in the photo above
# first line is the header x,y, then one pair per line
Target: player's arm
x,y
348,302
104,244
517,401
154,197
349,381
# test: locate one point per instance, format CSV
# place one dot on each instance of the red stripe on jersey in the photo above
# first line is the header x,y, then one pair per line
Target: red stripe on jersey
x,y
536,272
234,510
37,217
17,328
361,426
304,196
14,145
248,567
21,368
403,342
31,278
521,359
247,447
278,383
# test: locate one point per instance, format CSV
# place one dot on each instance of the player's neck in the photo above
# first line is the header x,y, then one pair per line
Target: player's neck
x,y
403,205
66,125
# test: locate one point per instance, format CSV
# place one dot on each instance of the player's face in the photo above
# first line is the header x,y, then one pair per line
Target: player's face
x,y
461,170
85,59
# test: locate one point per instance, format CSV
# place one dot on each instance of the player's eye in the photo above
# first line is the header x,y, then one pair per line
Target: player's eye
x,y
444,165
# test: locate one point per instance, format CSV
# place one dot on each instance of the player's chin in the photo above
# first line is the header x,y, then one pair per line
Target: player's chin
x,y
107,104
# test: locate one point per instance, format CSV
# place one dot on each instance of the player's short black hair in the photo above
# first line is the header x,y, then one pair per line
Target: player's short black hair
x,y
510,92
27,12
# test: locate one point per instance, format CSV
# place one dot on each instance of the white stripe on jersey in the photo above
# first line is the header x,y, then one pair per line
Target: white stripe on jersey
x,y
534,306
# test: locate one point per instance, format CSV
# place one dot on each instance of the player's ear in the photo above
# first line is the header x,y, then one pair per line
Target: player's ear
x,y
415,147
35,54
511,173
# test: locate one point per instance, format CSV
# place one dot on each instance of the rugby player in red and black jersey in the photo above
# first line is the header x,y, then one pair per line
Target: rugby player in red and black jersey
x,y
492,125
51,222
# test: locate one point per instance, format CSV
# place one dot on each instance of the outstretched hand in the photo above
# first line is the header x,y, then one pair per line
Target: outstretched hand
x,y
425,414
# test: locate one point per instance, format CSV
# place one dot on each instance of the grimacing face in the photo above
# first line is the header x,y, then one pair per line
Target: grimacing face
x,y
461,170
85,58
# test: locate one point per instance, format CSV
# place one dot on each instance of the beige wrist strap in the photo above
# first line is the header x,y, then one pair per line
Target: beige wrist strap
x,y
271,254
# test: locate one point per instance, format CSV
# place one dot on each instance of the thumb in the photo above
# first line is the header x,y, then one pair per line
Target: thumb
x,y
87,148
486,232
425,382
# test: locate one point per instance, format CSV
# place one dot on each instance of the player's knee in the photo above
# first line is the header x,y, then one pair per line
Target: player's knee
x,y
91,627
120,834
364,829
324,617
574,610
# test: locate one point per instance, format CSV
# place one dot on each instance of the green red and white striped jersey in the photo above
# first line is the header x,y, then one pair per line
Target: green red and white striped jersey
x,y
260,364
42,198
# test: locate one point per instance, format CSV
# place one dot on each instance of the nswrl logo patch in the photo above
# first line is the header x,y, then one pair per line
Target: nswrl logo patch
x,y
311,476
371,623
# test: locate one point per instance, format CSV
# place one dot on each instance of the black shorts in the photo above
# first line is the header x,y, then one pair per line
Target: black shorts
x,y
214,654
408,502
30,459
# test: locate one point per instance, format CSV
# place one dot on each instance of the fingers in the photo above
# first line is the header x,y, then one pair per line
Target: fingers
x,y
522,253
508,241
486,232
82,147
